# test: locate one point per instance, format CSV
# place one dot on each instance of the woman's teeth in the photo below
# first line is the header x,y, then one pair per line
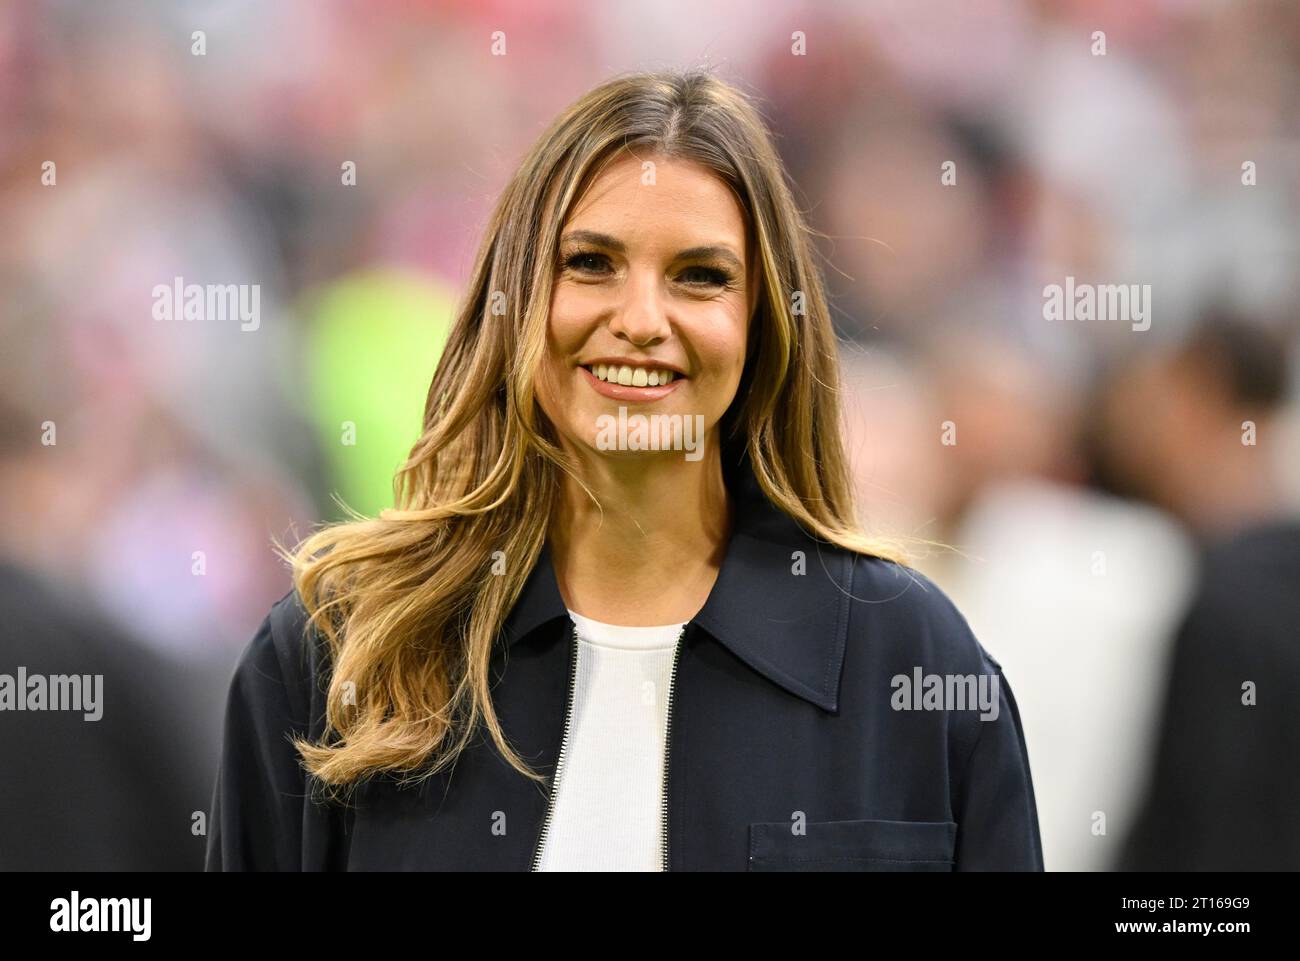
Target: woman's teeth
x,y
632,376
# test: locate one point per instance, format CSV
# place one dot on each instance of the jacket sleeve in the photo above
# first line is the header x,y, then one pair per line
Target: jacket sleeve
x,y
997,816
256,822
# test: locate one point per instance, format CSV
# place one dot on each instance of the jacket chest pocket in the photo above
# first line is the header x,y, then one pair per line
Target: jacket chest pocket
x,y
853,846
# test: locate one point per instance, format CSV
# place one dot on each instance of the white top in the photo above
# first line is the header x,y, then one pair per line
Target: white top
x,y
607,810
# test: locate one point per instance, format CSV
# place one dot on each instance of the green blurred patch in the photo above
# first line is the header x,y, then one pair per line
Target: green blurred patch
x,y
373,341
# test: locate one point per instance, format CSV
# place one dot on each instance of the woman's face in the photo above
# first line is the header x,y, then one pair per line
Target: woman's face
x,y
651,305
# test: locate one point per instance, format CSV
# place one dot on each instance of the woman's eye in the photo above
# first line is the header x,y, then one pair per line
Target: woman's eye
x,y
588,263
704,277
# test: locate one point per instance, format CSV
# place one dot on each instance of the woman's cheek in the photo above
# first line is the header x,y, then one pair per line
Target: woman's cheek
x,y
563,322
721,344
576,305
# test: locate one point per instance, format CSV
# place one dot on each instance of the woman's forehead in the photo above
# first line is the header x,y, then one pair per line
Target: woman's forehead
x,y
633,196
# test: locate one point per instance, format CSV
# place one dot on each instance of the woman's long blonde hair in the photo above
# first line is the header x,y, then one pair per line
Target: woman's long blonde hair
x,y
409,602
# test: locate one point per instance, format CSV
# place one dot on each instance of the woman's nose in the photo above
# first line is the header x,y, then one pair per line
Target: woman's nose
x,y
642,317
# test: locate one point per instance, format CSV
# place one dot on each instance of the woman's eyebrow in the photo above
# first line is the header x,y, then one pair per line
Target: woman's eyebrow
x,y
596,239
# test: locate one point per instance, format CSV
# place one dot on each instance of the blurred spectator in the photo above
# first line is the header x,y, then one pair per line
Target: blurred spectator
x,y
1225,791
1199,428
118,793
1226,786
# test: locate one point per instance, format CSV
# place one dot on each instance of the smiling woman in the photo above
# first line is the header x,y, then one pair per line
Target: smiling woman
x,y
723,698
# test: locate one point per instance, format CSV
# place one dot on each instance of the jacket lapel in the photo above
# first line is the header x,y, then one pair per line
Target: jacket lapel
x,y
780,602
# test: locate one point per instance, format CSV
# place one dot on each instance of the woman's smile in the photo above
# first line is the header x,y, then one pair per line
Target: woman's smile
x,y
628,383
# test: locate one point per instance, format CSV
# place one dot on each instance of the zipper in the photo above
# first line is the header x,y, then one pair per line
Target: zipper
x,y
559,760
668,743
564,745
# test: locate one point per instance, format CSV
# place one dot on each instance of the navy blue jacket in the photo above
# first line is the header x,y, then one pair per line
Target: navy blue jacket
x,y
787,746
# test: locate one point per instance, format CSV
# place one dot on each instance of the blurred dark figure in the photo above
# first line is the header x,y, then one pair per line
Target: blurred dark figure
x,y
116,793
1225,789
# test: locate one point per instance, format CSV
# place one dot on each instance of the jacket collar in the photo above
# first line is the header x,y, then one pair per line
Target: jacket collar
x,y
788,626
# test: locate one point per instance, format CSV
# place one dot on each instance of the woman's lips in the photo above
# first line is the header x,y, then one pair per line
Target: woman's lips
x,y
619,392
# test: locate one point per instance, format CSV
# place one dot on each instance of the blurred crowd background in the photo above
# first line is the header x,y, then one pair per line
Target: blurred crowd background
x,y
1131,563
